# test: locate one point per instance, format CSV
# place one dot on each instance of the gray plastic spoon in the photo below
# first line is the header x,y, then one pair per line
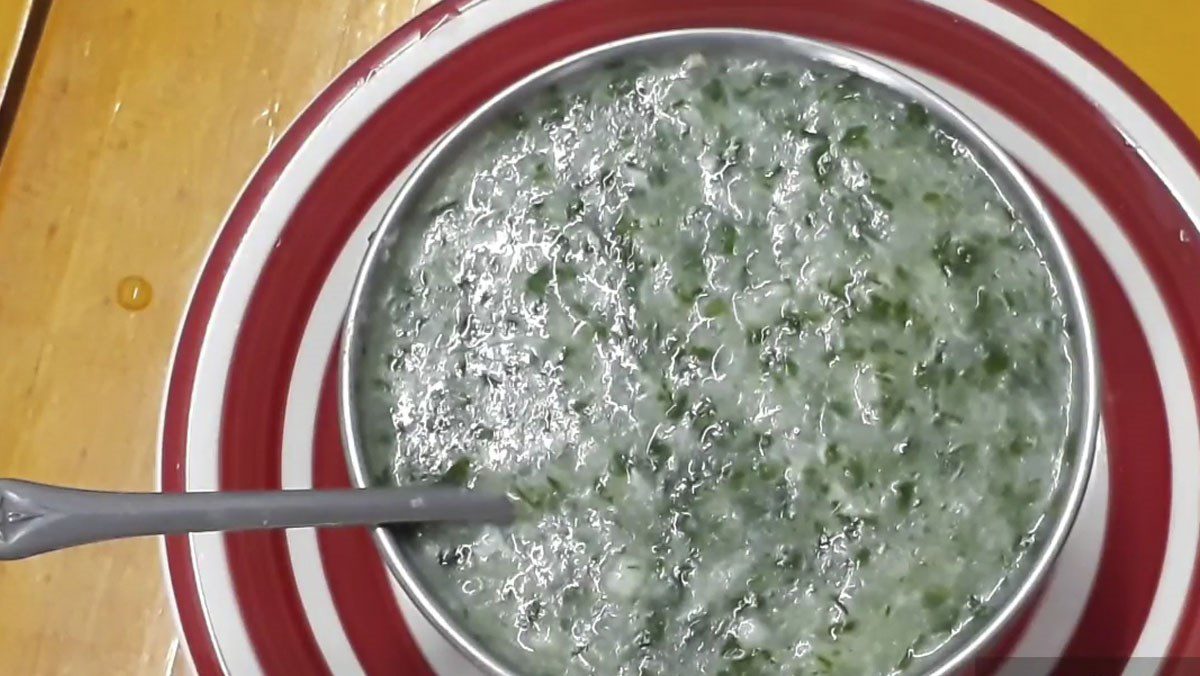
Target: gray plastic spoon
x,y
36,518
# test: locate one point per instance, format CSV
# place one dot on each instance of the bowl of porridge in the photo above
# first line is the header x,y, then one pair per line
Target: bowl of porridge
x,y
784,362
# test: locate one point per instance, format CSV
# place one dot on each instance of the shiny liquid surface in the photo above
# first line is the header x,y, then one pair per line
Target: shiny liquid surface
x,y
780,381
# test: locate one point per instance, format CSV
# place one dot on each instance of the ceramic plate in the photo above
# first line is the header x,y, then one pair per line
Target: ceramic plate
x,y
251,398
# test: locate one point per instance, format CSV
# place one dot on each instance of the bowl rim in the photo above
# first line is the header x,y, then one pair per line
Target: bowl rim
x,y
1084,422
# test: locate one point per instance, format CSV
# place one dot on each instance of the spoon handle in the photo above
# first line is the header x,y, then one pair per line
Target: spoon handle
x,y
36,518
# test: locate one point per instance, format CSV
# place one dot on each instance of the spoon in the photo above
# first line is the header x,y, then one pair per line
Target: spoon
x,y
36,518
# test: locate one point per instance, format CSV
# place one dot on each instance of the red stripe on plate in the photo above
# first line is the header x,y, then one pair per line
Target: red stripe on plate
x,y
993,657
1139,483
380,638
187,604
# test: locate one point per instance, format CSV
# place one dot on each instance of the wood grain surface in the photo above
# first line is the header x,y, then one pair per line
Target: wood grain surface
x,y
139,122
14,18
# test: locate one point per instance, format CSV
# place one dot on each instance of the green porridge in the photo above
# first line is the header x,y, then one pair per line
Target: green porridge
x,y
779,379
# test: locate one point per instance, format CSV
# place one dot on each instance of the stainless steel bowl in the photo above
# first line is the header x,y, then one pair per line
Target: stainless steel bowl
x,y
1084,422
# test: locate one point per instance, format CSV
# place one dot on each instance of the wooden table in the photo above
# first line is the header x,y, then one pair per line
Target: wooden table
x,y
139,122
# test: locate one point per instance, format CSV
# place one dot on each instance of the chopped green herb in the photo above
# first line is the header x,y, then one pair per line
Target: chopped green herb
x,y
714,91
717,307
458,474
729,237
539,281
856,137
917,115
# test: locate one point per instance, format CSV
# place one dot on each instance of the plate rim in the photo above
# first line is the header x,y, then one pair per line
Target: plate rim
x,y
224,244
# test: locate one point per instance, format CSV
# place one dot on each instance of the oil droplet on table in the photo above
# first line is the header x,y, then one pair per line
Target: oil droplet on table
x,y
134,293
